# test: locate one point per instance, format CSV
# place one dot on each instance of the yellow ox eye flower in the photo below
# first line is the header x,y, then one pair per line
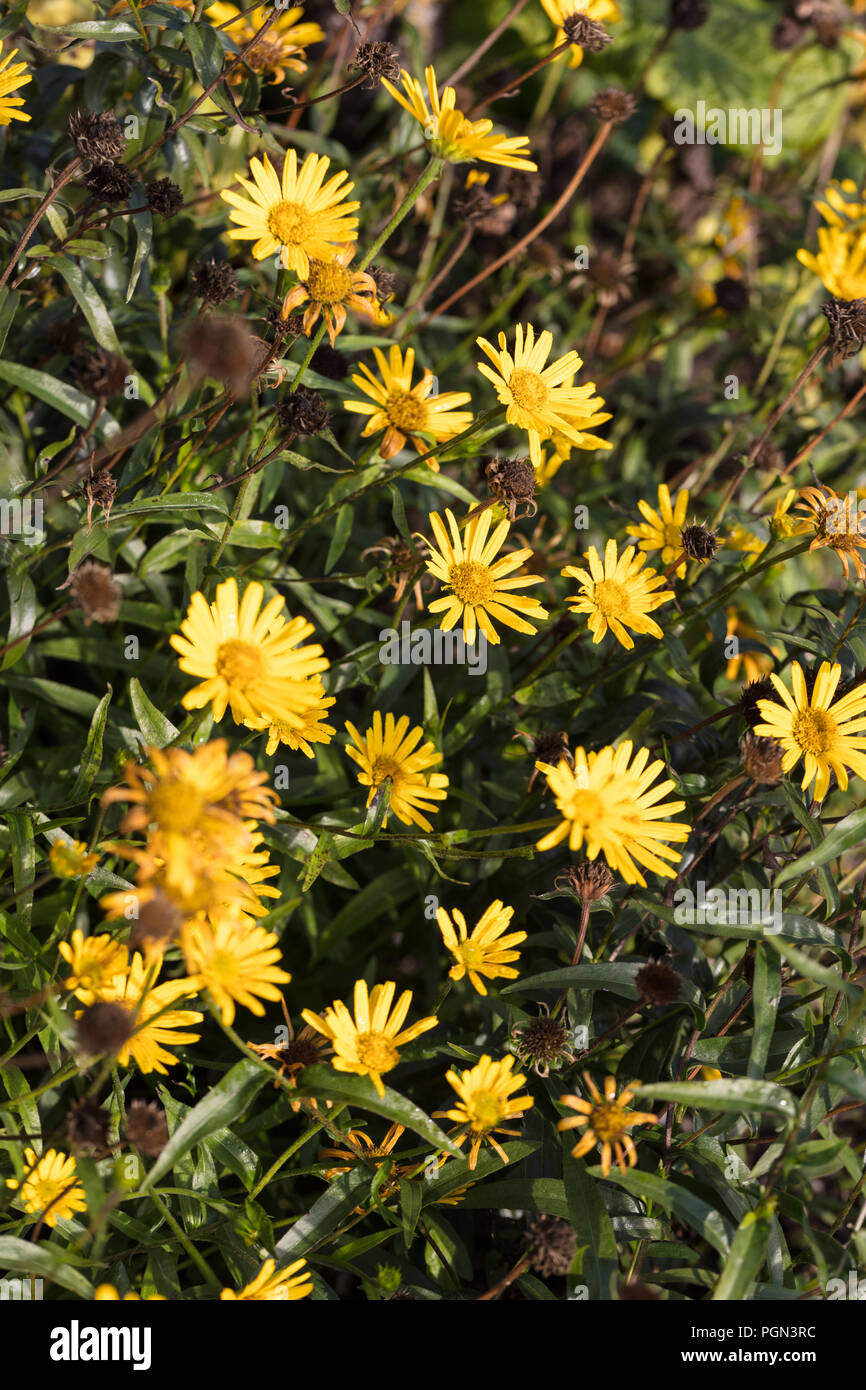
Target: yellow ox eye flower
x,y
617,594
298,215
452,135
49,1187
369,1044
272,1285
482,587
391,751
543,400
484,951
12,76
485,1098
826,734
607,1120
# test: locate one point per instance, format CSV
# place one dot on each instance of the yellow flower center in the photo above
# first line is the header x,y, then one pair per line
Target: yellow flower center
x,y
289,223
528,390
45,1191
611,599
814,730
608,1121
405,411
471,954
238,663
328,283
377,1052
486,1110
266,53
222,966
382,768
175,806
472,583
585,806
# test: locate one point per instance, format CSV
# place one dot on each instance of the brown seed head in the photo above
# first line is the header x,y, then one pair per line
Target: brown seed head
x,y
97,135
109,182
588,881
215,282
104,1028
146,1127
87,1129
586,33
699,542
658,984
612,104
762,759
302,412
164,197
96,591
551,1244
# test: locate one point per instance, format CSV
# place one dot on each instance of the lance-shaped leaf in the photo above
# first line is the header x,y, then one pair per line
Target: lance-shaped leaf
x,y
326,1084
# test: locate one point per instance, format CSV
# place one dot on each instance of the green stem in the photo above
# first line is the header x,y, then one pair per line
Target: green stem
x,y
427,175
194,1254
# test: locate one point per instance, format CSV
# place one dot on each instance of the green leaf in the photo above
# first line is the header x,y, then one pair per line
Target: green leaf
x,y
747,1254
9,301
592,1226
158,731
91,760
143,223
324,1216
105,30
737,1096
617,978
411,1197
846,834
208,55
326,1084
18,1088
58,394
222,1104
767,987
340,537
89,302
42,1261
318,859
678,1201
812,969
22,617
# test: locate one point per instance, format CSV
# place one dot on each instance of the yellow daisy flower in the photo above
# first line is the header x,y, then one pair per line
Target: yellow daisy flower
x,y
300,217
485,951
49,1187
481,588
272,1285
405,411
365,1150
70,859
452,135
617,594
485,1097
662,529
12,76
783,523
156,1022
282,48
249,660
836,524
205,790
369,1044
814,728
331,288
840,263
542,399
311,731
235,962
392,751
557,11
94,962
615,810
608,1120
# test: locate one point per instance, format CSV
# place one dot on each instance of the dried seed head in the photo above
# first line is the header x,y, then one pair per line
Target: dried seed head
x,y
689,14
612,104
762,759
97,135
658,984
99,489
96,591
752,693
146,1127
109,183
215,282
612,276
588,881
285,329
788,33
384,280
551,1244
376,60
731,295
302,412
846,321
104,1028
101,373
87,1129
586,33
164,197
225,349
699,542
158,924
512,481
543,1043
